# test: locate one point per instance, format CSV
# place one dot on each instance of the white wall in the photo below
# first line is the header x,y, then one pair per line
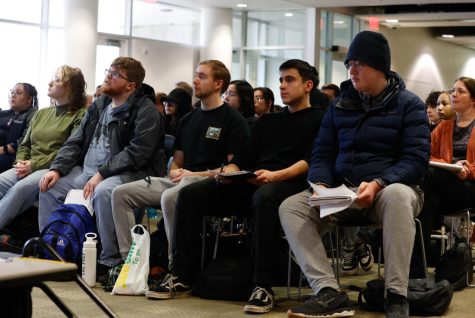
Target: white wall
x,y
165,63
426,63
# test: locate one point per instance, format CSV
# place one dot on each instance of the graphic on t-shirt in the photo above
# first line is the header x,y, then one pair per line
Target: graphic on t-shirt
x,y
213,133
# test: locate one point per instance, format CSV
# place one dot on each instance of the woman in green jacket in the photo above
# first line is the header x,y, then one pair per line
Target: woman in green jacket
x,y
49,129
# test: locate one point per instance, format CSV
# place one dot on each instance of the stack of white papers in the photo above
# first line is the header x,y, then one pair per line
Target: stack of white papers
x,y
446,166
331,200
75,196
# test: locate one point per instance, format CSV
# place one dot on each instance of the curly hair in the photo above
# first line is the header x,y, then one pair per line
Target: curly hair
x,y
75,85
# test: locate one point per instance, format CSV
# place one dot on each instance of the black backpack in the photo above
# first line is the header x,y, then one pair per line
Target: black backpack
x,y
225,279
425,297
229,276
456,265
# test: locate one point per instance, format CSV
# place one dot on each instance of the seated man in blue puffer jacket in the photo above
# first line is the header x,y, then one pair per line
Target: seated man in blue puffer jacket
x,y
376,136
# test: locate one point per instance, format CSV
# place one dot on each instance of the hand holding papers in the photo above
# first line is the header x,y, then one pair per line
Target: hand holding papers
x,y
331,200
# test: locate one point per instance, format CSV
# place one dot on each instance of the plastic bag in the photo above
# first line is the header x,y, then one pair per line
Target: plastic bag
x,y
133,276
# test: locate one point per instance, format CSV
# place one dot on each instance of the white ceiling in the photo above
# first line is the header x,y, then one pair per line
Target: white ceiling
x,y
463,17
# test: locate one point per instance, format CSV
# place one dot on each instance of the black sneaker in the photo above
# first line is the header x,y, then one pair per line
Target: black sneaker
x,y
327,303
349,265
396,306
102,273
171,287
261,301
364,255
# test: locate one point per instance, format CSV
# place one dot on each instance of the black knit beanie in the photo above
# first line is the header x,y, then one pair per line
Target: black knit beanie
x,y
371,48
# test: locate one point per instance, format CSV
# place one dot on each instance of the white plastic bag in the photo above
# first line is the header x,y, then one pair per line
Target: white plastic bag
x,y
133,276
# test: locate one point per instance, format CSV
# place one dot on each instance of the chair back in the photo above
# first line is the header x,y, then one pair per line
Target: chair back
x,y
169,140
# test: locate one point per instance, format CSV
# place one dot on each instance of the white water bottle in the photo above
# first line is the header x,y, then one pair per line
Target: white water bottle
x,y
89,257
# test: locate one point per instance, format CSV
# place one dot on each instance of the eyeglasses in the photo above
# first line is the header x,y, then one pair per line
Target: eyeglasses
x,y
258,99
114,74
356,65
231,94
459,91
168,103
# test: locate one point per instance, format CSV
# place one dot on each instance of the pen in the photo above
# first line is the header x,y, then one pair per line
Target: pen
x,y
220,171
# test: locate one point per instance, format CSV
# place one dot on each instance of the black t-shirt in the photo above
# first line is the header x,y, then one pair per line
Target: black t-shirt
x,y
208,137
281,139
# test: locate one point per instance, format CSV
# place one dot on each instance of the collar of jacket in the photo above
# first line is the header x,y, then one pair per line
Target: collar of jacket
x,y
351,99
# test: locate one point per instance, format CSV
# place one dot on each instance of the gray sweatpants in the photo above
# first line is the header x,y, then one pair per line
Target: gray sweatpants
x,y
394,207
160,192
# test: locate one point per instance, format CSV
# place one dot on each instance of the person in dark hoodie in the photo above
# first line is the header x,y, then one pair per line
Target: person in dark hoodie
x,y
177,104
376,137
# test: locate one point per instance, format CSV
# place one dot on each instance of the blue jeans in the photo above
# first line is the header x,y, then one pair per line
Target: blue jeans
x,y
101,203
17,195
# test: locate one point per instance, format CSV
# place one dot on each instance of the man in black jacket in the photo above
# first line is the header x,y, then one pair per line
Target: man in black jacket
x,y
120,139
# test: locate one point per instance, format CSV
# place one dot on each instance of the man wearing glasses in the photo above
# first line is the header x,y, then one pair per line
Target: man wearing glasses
x,y
376,136
119,140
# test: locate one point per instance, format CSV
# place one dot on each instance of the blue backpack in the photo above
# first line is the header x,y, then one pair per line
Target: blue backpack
x,y
66,230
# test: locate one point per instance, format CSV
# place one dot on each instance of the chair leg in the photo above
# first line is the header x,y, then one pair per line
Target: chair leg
x,y
470,272
289,272
203,241
337,272
424,260
217,239
379,262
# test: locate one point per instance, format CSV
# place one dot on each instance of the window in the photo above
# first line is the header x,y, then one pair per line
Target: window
x,y
15,10
56,13
112,17
267,28
159,21
342,30
105,55
21,60
272,38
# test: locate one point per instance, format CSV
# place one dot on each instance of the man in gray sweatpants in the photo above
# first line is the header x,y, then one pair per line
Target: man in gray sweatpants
x,y
207,138
376,135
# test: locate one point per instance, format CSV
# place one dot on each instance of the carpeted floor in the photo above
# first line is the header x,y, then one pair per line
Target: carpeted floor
x,y
463,304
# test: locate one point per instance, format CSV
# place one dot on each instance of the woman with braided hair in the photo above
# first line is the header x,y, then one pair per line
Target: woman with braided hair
x,y
23,100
